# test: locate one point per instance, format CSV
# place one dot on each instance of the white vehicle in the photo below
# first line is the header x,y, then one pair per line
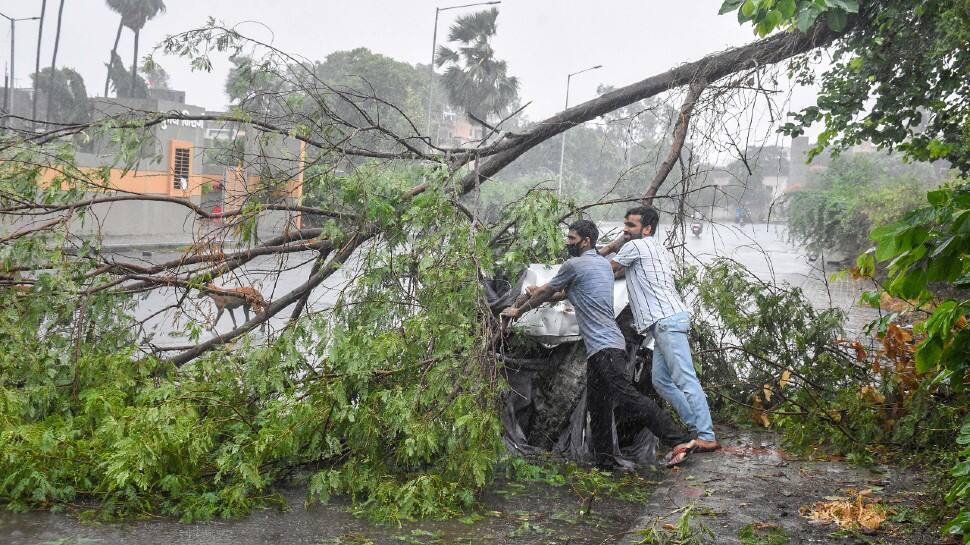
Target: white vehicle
x,y
554,324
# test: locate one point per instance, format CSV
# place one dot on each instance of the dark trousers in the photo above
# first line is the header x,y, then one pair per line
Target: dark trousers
x,y
607,387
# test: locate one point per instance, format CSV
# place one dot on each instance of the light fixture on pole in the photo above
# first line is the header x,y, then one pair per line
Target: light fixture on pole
x,y
8,104
562,148
434,46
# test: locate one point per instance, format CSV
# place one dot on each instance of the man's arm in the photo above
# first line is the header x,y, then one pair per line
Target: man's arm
x,y
556,297
538,296
612,247
625,256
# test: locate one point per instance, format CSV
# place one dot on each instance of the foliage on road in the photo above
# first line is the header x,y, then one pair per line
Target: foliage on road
x,y
391,400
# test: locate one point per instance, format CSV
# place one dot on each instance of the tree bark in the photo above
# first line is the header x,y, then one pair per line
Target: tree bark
x,y
114,51
40,35
680,136
57,43
134,65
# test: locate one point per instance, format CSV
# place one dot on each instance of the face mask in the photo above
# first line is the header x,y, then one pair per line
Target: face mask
x,y
574,250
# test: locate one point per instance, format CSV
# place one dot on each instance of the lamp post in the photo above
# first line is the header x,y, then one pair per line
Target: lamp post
x,y
434,46
562,148
8,104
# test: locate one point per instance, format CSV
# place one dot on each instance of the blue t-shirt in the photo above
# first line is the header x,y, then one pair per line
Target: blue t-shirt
x,y
588,281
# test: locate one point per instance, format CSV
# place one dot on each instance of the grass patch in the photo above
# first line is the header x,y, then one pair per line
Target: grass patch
x,y
762,534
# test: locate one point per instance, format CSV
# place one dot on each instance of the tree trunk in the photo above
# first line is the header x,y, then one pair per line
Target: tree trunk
x,y
711,68
134,65
114,50
57,43
40,35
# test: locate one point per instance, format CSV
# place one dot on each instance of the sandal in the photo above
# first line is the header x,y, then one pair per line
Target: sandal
x,y
698,448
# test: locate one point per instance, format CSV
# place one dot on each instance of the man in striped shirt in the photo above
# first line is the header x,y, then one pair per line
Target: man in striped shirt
x,y
658,309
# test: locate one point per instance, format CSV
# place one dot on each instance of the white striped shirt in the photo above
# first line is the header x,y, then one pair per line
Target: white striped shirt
x,y
649,281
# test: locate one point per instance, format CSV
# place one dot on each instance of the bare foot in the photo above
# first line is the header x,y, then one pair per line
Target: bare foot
x,y
679,454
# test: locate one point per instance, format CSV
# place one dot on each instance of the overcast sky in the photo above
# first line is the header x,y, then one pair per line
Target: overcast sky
x,y
542,40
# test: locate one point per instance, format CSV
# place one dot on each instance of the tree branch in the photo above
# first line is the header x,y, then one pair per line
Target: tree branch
x,y
680,135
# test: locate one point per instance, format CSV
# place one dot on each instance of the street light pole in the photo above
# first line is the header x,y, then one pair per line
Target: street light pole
x,y
13,29
562,147
434,46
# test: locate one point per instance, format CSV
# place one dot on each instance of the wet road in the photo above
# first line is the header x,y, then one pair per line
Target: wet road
x,y
760,247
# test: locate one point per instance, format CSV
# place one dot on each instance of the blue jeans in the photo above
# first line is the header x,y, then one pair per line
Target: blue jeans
x,y
674,377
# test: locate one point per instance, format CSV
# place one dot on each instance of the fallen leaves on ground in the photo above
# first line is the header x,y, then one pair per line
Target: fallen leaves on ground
x,y
861,512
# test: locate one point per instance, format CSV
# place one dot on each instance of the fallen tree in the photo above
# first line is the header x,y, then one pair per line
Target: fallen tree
x,y
390,397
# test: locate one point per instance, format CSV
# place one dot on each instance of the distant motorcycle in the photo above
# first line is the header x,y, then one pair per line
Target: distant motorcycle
x,y
696,229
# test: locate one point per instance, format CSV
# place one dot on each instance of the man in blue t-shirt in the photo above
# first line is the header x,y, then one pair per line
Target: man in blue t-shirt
x,y
586,279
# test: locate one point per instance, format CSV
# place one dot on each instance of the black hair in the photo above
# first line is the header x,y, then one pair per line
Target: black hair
x,y
648,216
585,229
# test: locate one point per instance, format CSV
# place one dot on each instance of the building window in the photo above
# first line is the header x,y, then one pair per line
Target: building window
x,y
180,169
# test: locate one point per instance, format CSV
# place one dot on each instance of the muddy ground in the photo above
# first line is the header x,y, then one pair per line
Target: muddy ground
x,y
752,487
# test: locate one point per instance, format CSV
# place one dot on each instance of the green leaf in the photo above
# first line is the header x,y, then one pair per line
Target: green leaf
x,y
851,6
748,8
928,355
866,262
729,6
837,19
787,8
774,18
885,231
937,198
885,249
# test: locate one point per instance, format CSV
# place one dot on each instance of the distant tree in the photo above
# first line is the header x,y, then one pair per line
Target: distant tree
x,y
250,85
474,79
121,80
359,85
839,206
134,15
365,73
156,77
635,128
67,97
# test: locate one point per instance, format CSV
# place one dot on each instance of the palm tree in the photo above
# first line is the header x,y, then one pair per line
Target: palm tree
x,y
40,35
57,43
120,7
474,79
134,15
142,12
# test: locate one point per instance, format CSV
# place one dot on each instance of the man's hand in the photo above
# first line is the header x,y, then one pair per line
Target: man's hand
x,y
511,313
531,290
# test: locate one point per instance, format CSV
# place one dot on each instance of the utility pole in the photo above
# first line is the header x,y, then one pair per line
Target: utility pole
x,y
562,147
8,104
